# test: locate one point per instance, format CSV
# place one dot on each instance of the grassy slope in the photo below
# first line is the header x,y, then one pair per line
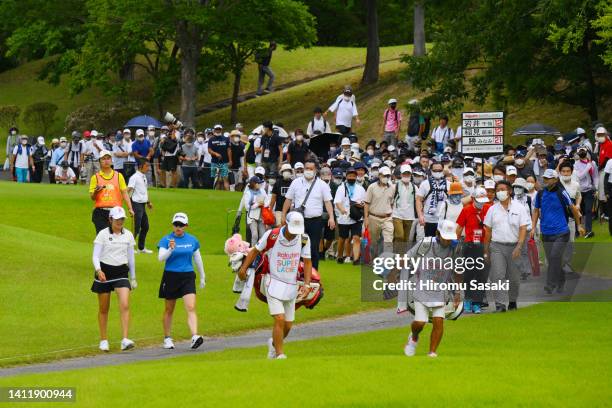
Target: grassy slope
x,y
46,273
545,355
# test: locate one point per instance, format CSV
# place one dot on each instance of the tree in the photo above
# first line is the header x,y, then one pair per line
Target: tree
x,y
510,52
370,72
603,24
40,116
419,28
253,23
9,115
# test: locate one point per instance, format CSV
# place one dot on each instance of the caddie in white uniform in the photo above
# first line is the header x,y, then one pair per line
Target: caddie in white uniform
x,y
284,252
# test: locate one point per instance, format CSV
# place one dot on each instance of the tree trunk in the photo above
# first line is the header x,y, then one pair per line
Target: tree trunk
x,y
418,49
591,91
189,42
126,72
370,72
236,91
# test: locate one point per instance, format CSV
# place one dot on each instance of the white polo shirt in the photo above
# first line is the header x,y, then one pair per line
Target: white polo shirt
x,y
504,223
114,246
345,110
403,207
138,182
319,194
343,196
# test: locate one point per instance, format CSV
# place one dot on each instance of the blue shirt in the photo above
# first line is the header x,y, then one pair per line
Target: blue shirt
x,y
552,212
141,147
181,258
57,157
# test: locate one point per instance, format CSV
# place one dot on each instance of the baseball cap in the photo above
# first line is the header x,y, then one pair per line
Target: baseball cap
x,y
375,164
260,170
480,195
468,170
360,165
64,164
392,100
295,223
601,130
126,130
391,148
351,170
511,171
62,139
447,229
298,165
181,218
217,126
385,171
140,132
93,133
580,131
105,153
520,182
413,102
489,184
345,141
151,127
86,133
337,172
405,168
117,213
255,179
347,89
285,167
550,173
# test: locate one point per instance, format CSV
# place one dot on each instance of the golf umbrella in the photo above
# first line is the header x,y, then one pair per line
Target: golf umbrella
x,y
319,144
143,121
536,129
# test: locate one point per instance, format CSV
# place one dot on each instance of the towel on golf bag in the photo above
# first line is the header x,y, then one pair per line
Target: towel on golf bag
x,y
237,250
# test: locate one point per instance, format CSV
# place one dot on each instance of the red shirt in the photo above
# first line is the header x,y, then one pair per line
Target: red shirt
x,y
469,220
605,152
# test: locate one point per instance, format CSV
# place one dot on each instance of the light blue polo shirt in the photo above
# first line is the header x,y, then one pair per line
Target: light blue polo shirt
x,y
181,258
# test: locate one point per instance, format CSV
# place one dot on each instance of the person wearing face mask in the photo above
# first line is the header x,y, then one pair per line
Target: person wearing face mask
x,y
369,154
237,147
499,173
471,221
298,168
221,153
392,123
541,164
120,154
12,140
349,194
519,194
344,109
511,174
297,151
344,152
253,200
318,124
39,153
188,156
142,149
524,167
585,170
573,189
506,225
129,165
468,183
309,195
431,193
374,171
378,212
279,191
21,160
57,157
457,169
553,207
362,170
450,208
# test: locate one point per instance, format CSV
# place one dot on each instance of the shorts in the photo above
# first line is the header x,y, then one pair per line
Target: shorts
x,y
349,230
169,163
116,277
175,285
422,312
286,307
221,167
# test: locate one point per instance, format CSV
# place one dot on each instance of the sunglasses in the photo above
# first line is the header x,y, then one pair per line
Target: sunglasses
x,y
179,225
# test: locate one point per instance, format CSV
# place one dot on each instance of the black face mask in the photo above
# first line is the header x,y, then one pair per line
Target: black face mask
x,y
582,155
351,182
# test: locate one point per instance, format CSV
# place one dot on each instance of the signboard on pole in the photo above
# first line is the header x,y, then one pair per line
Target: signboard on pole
x,y
482,133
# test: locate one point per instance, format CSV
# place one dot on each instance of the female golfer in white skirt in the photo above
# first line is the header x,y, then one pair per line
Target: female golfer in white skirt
x,y
179,250
113,257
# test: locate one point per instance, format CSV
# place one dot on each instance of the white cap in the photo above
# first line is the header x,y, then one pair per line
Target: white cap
x,y
93,133
468,170
126,130
405,168
580,131
105,153
601,130
385,171
298,165
477,160
117,213
390,164
489,184
392,100
285,167
413,102
180,217
511,171
295,223
238,126
391,148
345,141
62,139
480,195
550,173
520,182
375,163
217,126
151,127
260,170
140,132
448,229
355,146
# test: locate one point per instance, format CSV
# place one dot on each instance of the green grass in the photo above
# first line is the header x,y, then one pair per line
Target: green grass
x,y
546,355
46,274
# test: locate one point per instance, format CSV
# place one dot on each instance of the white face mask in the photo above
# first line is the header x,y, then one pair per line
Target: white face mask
x,y
418,180
469,180
298,175
529,186
502,195
200,139
286,175
299,138
371,152
383,179
309,174
237,139
62,144
41,141
406,179
497,178
141,137
567,179
13,132
337,180
151,133
519,162
437,174
600,139
374,173
25,142
518,191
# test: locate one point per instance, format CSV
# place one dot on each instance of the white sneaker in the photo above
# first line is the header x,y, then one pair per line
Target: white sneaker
x,y
196,341
401,309
271,350
126,344
104,345
145,251
281,357
348,260
410,348
168,343
432,354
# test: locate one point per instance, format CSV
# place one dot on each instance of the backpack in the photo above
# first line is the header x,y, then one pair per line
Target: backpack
x,y
39,153
444,189
387,115
312,125
414,190
342,100
560,189
414,125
